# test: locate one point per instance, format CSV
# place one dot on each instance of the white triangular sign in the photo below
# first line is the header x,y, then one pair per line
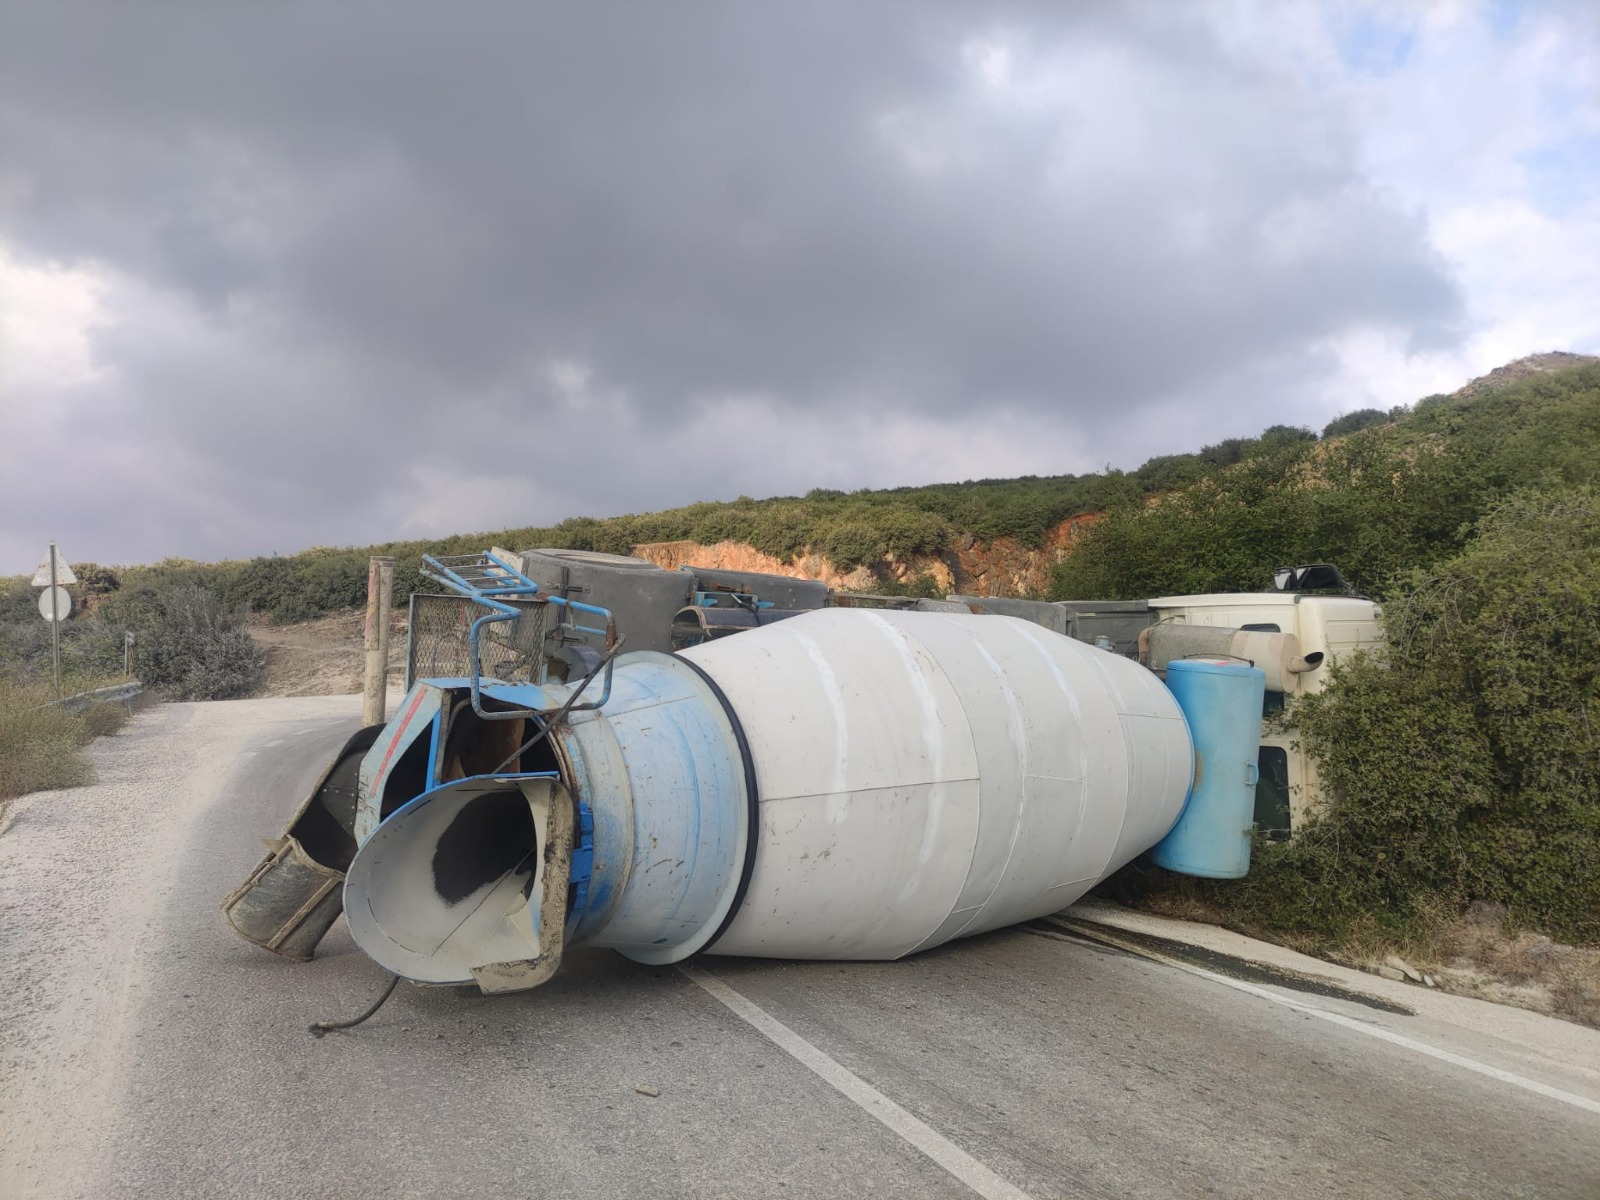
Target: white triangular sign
x,y
64,575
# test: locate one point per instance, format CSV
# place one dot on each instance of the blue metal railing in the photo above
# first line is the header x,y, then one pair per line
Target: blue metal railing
x,y
486,579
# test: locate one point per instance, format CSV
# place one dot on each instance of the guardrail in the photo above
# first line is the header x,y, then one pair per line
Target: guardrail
x,y
110,694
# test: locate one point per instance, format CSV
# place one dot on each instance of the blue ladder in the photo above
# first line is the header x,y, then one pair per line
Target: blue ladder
x,y
486,579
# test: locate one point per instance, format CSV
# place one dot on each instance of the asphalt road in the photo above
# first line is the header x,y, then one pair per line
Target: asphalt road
x,y
146,1051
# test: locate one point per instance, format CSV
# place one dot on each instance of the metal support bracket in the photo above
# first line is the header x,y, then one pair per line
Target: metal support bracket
x,y
521,974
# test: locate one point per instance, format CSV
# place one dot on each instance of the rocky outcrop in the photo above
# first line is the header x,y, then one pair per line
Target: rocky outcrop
x,y
739,556
1523,368
1005,567
1002,567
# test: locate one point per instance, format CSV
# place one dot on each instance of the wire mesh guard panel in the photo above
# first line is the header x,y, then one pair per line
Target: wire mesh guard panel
x,y
436,642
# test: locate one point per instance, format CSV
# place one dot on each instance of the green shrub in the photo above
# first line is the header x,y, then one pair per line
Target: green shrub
x,y
190,646
1354,422
1224,533
1379,502
923,586
95,580
1467,760
782,530
852,544
18,601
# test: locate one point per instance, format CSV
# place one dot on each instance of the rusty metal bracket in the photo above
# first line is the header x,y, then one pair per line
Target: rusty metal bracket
x,y
522,974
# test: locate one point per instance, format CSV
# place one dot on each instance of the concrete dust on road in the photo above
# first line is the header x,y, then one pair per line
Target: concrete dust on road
x,y
84,877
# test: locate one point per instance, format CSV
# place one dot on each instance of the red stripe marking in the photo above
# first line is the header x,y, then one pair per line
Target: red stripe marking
x,y
394,743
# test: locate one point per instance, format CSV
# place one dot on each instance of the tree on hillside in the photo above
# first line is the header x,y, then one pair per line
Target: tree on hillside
x,y
1355,422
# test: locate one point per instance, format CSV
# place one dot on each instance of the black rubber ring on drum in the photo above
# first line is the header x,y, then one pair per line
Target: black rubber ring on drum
x,y
753,799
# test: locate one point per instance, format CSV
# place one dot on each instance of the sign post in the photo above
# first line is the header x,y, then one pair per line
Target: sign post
x,y
56,602
55,620
380,598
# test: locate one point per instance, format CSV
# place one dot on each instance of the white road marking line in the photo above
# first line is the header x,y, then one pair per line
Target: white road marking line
x,y
925,1138
1384,1035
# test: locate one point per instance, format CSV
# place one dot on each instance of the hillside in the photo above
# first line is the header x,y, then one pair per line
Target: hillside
x,y
1382,500
1376,492
1523,368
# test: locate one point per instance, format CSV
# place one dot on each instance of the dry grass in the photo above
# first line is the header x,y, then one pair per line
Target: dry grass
x,y
1480,954
102,720
41,743
324,657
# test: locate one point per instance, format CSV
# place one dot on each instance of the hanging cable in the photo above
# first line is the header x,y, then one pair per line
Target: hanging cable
x,y
549,726
319,1028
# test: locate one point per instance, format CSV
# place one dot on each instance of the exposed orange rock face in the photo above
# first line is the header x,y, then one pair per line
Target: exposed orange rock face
x,y
740,556
1003,567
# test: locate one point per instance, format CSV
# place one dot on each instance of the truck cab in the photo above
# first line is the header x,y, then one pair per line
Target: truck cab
x,y
1288,790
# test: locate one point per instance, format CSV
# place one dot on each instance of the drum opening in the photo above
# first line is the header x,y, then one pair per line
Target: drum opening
x,y
490,836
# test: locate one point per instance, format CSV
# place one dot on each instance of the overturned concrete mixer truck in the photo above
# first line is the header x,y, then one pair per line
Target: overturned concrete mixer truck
x,y
850,777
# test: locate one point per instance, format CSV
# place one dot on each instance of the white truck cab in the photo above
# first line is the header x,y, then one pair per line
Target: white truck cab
x,y
1288,790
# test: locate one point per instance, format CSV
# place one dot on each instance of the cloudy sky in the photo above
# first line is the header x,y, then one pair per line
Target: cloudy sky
x,y
328,273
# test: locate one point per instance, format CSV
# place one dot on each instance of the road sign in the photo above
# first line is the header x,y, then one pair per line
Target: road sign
x,y
63,603
55,603
64,575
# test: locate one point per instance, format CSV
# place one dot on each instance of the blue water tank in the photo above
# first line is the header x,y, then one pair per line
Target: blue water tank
x,y
1221,700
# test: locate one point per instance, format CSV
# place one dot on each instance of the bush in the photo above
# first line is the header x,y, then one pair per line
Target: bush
x,y
1225,533
1380,501
1354,422
1467,761
852,544
39,742
923,586
190,647
95,580
1286,434
101,720
782,530
18,601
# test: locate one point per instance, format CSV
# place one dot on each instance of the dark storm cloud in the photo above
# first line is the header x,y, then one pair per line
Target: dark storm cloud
x,y
537,242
